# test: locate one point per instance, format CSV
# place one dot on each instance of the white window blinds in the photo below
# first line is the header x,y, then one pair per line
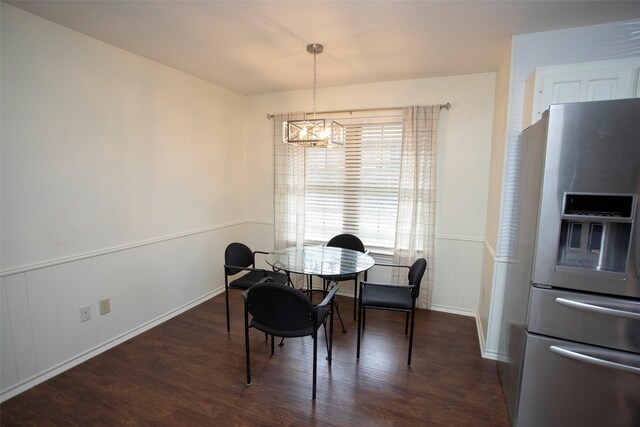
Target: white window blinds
x,y
354,189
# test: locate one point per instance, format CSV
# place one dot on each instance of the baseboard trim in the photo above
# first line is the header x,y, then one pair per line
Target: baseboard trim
x,y
486,354
452,310
77,360
481,338
492,355
434,307
101,348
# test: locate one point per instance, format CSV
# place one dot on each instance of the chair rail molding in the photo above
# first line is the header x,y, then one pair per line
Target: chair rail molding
x,y
64,260
460,238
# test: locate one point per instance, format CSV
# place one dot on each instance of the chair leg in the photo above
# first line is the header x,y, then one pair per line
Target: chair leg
x,y
364,311
315,357
335,306
406,324
246,342
413,318
326,337
364,318
355,296
226,296
272,345
330,336
360,323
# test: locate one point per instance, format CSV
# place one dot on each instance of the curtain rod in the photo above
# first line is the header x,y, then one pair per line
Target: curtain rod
x,y
442,107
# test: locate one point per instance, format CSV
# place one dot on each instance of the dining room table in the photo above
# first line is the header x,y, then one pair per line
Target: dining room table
x,y
327,262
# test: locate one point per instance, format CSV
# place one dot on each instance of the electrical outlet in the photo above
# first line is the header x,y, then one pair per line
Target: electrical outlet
x,y
85,313
105,306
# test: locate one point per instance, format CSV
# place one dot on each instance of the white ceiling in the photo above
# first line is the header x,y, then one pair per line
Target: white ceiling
x,y
254,47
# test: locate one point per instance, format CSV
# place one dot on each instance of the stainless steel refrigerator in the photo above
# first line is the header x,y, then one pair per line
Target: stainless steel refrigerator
x,y
570,337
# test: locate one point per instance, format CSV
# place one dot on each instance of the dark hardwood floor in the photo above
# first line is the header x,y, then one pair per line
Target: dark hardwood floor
x,y
190,371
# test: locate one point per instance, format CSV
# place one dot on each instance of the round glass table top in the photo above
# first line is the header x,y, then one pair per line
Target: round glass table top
x,y
320,260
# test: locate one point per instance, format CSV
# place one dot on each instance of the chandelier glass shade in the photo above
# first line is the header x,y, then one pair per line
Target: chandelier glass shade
x,y
313,132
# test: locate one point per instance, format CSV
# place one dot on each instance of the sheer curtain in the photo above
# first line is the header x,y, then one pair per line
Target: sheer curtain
x,y
415,227
289,191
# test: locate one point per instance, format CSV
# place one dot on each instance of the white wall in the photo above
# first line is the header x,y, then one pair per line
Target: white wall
x,y
120,179
584,44
491,267
463,167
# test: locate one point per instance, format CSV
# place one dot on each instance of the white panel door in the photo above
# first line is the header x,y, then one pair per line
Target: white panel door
x,y
587,81
591,85
563,91
602,89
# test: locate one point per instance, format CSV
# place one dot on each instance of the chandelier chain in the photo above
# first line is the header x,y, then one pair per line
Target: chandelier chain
x,y
314,84
314,132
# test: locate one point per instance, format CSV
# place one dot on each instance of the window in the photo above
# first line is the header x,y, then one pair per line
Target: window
x,y
354,189
380,187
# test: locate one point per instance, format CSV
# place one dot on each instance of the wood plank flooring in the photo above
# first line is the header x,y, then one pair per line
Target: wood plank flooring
x,y
190,371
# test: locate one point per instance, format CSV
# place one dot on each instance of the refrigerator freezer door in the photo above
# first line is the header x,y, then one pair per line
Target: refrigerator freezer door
x,y
570,384
593,319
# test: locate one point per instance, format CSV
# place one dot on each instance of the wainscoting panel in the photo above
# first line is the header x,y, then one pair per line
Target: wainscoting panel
x,y
147,283
45,325
67,280
492,345
458,269
8,369
21,336
74,285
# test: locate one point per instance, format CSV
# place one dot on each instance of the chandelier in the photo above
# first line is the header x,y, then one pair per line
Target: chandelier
x,y
313,132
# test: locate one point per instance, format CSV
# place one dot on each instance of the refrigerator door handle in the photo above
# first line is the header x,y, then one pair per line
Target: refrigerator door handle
x,y
598,309
594,360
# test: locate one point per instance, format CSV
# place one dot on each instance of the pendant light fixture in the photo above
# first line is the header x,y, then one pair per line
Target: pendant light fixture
x,y
313,132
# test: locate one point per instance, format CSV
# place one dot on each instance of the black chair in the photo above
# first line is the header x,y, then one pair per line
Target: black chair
x,y
239,258
286,312
392,297
346,241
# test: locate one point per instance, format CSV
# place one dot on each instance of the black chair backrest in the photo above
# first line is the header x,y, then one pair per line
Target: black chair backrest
x,y
279,307
237,254
347,241
415,275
